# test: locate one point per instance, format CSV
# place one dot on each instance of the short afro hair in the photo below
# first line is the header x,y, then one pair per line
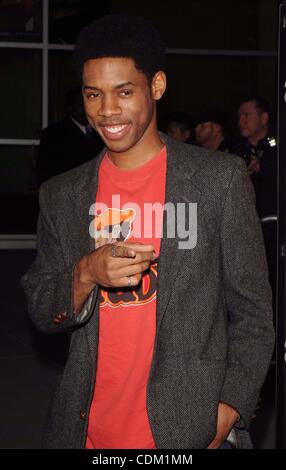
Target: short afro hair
x,y
127,36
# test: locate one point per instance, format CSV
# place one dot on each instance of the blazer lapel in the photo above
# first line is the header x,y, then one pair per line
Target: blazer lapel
x,y
82,198
179,189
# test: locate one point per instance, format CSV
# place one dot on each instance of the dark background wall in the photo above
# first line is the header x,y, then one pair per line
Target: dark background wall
x,y
199,81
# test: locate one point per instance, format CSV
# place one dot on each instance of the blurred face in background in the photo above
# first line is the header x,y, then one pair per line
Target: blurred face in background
x,y
177,132
252,122
204,132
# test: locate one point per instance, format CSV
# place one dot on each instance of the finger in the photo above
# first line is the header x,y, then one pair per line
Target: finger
x,y
138,247
133,269
145,256
139,258
135,279
128,251
121,251
118,267
127,281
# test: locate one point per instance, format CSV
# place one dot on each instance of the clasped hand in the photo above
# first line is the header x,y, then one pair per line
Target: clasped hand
x,y
118,265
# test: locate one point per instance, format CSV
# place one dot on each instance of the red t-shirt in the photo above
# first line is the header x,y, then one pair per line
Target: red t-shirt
x,y
118,416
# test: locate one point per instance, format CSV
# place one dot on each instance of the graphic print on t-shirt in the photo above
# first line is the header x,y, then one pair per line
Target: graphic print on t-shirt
x,y
113,225
116,225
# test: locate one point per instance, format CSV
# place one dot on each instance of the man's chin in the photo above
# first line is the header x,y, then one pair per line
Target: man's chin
x,y
117,147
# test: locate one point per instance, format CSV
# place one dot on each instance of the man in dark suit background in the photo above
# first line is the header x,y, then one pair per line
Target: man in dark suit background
x,y
67,143
257,145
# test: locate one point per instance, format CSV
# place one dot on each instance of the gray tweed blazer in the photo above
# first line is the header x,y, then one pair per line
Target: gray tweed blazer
x,y
214,335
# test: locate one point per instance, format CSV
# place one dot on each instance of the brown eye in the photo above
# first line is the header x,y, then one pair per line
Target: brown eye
x,y
92,95
125,92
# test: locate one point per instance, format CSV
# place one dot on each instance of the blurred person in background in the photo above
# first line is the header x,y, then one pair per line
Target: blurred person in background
x,y
180,126
257,145
67,143
211,130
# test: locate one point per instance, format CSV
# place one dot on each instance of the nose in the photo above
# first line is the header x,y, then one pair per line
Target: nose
x,y
109,107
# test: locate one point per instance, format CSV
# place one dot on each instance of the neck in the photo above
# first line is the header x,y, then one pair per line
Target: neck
x,y
257,137
137,156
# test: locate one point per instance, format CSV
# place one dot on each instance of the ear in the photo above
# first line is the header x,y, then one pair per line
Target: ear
x,y
159,83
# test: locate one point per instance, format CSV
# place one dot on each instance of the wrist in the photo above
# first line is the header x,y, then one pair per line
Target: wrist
x,y
82,273
231,410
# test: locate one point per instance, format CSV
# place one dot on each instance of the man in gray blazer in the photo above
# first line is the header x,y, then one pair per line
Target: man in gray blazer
x,y
183,367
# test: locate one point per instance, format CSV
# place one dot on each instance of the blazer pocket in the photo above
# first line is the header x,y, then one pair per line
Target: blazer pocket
x,y
188,402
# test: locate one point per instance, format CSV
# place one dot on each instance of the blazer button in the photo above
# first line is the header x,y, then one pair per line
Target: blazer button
x,y
61,317
82,415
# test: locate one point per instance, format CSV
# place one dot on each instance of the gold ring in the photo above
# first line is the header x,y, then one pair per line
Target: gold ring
x,y
113,251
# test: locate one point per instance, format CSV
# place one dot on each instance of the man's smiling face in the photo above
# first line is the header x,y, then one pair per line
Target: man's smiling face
x,y
119,103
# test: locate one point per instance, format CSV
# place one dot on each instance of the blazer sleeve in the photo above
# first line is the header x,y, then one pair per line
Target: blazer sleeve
x,y
48,284
247,296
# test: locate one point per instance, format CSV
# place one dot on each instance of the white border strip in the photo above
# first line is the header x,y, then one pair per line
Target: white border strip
x,y
45,63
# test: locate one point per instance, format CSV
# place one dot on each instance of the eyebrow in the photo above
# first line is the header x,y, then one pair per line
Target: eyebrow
x,y
121,85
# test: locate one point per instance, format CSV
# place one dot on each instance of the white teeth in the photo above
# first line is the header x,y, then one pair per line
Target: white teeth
x,y
114,129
